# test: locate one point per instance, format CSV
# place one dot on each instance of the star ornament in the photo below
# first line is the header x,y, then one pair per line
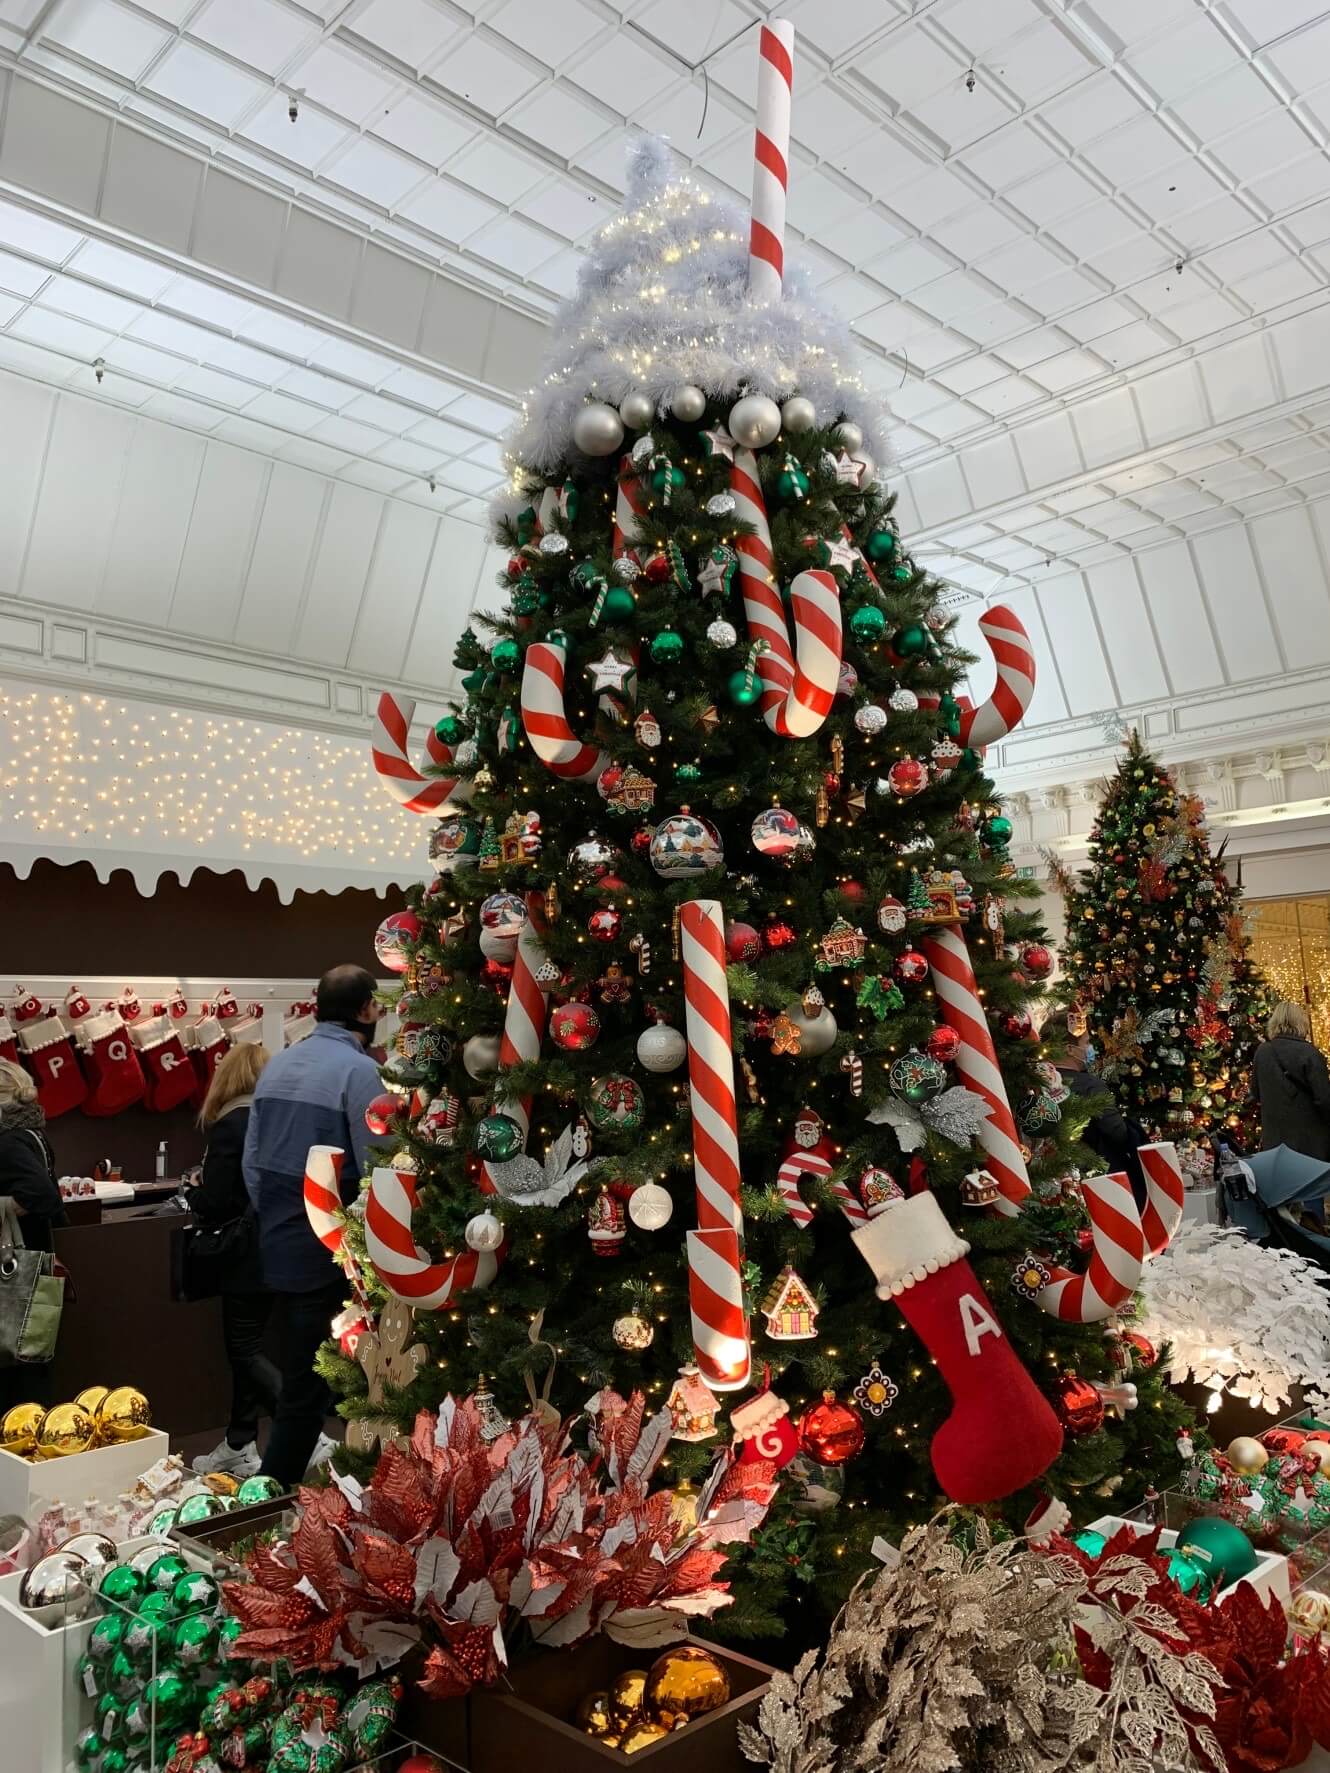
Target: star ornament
x,y
848,471
719,443
611,671
840,553
716,576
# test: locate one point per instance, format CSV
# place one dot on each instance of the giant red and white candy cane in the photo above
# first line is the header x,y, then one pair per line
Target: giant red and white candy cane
x,y
629,508
323,1195
544,720
525,1018
771,158
1117,1256
715,1282
1014,657
1162,1213
412,790
813,1160
400,1263
799,683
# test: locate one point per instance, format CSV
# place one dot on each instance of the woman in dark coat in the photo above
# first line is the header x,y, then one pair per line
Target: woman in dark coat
x,y
27,1175
220,1199
1292,1085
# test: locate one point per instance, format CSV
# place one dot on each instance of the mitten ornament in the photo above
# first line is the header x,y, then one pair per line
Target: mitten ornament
x,y
27,1006
128,1004
48,1053
115,1077
1002,1433
76,1006
226,1009
168,1074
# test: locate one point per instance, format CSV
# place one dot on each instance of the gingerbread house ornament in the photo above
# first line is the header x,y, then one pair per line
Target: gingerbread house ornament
x,y
790,1309
692,1406
980,1189
843,945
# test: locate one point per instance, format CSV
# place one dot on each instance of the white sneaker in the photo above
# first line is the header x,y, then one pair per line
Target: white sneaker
x,y
238,1462
324,1448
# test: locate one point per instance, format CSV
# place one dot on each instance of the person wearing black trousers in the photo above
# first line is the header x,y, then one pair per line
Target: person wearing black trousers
x,y
27,1175
247,1305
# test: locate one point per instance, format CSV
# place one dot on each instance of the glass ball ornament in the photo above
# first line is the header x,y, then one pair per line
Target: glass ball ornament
x,y
907,777
667,647
1222,1550
723,634
1037,960
506,653
605,924
688,404
911,967
778,935
65,1429
454,843
504,913
943,1044
996,831
620,604
902,700
615,1104
597,429
592,1715
58,1579
686,1681
497,1137
18,1429
391,938
744,688
96,1550
259,1488
881,546
780,837
661,1048
910,642
742,942
484,1231
650,1206
868,622
684,845
916,1077
1079,1407
870,719
849,436
592,858
637,410
754,421
480,1056
1015,1024
552,543
830,1432
720,504
798,414
574,1026
817,1030
1246,1454
632,1333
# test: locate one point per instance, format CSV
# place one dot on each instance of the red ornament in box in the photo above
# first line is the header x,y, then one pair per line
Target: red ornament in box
x,y
1282,1440
943,1044
1079,1406
907,777
604,925
382,1111
911,967
778,935
742,942
832,1432
1015,1024
574,1026
1037,960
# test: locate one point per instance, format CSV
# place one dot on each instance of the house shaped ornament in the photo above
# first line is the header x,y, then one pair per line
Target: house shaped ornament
x,y
790,1309
843,945
693,1406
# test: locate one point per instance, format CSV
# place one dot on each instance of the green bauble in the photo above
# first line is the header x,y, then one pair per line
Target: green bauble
x,y
868,622
497,1137
162,1522
106,1636
156,1606
620,604
114,1760
903,573
450,730
669,477
121,1584
195,1591
880,547
148,1635
1222,1550
202,1506
792,482
122,1677
229,1630
170,1694
164,1572
688,772
744,688
110,1716
911,642
194,1639
260,1488
917,1077
667,647
1189,1576
1090,1542
506,655
996,831
87,1746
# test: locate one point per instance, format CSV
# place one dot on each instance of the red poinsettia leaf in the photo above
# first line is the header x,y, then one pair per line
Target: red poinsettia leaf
x,y
1096,1664
1259,1627
386,1569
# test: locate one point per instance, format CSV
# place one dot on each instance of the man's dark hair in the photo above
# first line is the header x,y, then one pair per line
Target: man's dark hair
x,y
342,993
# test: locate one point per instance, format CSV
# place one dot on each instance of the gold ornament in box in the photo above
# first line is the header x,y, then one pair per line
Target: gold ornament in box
x,y
686,1681
593,1715
18,1429
626,1696
65,1429
123,1415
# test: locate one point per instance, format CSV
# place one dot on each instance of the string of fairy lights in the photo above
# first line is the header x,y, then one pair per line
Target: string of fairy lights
x,y
93,772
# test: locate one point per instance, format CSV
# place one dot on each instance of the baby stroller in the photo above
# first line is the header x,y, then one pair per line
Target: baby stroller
x,y
1277,1197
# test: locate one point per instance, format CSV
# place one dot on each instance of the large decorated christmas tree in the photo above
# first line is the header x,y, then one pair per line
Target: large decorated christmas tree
x,y
1157,957
716,1076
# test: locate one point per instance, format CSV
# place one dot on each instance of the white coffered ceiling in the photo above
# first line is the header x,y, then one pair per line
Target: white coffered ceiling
x,y
1084,244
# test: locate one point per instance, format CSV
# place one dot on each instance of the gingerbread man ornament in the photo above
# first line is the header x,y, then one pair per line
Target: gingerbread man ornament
x,y
389,1357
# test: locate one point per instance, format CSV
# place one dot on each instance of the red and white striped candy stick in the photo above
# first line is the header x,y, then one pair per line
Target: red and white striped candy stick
x,y
1117,1256
818,1159
799,683
544,720
400,1263
629,507
1163,1195
525,1018
976,1060
715,1283
413,791
771,157
1014,656
323,1195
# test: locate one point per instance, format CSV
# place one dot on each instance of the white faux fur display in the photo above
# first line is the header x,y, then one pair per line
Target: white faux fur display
x,y
1257,1319
662,302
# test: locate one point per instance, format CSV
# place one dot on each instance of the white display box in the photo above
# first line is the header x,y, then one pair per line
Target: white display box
x,y
28,1486
1270,1577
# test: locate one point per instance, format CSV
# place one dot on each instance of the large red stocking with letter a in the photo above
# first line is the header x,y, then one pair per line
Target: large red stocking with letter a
x,y
1002,1433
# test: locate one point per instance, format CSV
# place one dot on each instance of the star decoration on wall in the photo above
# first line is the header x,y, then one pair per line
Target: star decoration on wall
x,y
611,671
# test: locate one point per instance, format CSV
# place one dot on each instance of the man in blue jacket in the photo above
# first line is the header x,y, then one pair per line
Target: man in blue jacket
x,y
314,1093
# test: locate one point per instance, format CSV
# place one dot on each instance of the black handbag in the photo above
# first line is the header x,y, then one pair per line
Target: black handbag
x,y
210,1251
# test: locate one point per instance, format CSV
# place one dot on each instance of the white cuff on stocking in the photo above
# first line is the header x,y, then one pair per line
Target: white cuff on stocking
x,y
908,1243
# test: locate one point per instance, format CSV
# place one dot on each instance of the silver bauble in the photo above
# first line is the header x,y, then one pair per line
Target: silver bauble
x,y
637,410
849,436
495,946
689,404
754,421
870,718
798,414
722,633
902,700
816,1032
632,1332
60,1578
483,1232
650,1206
661,1048
96,1550
598,429
480,1056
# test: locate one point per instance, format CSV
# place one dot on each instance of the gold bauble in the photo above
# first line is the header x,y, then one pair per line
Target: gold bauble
x,y
686,1681
90,1398
626,1695
18,1430
641,1734
65,1429
1246,1455
593,1715
1320,1451
123,1415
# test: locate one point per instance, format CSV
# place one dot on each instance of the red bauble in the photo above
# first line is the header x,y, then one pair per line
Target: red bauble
x,y
831,782
853,890
381,1112
907,777
1079,1406
611,883
1282,1440
516,566
911,967
657,569
609,779
1015,1024
574,1026
1144,1352
1037,960
640,842
604,925
742,942
943,1044
421,1763
778,935
496,974
831,1432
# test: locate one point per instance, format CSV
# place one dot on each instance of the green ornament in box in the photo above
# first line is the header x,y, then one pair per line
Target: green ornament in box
x,y
105,1637
1222,1550
195,1591
194,1640
165,1571
122,1585
259,1488
169,1694
88,1745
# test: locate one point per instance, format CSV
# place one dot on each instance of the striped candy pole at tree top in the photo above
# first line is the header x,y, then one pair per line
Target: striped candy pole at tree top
x,y
1013,655
771,161
413,791
543,717
715,1283
1162,1214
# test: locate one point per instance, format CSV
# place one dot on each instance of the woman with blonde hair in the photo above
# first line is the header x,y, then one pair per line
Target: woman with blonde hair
x,y
1292,1085
219,1201
27,1175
